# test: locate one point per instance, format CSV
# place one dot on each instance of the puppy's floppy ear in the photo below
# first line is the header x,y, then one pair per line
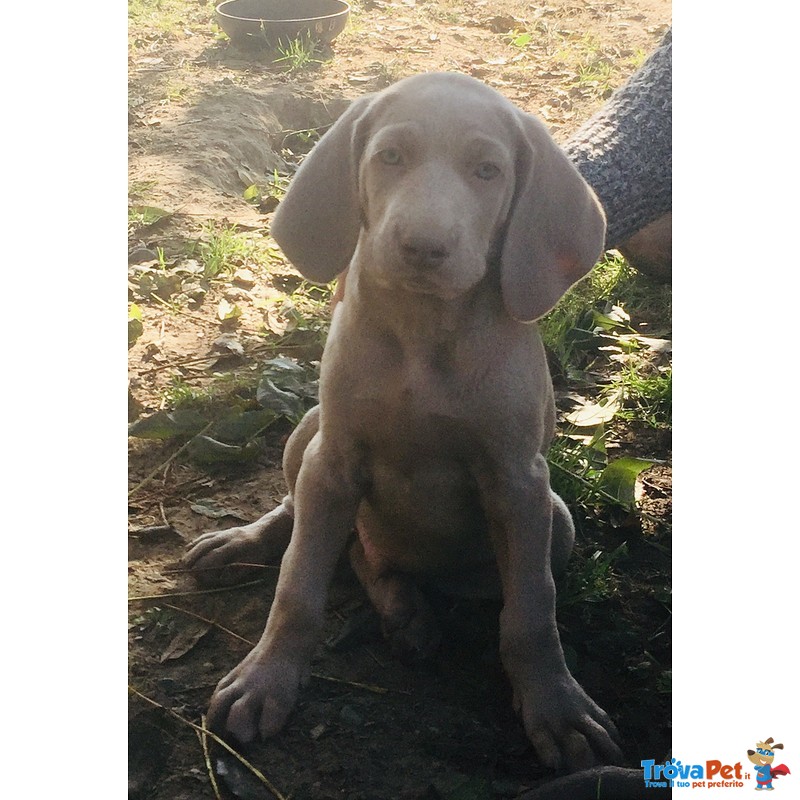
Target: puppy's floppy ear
x,y
556,227
318,222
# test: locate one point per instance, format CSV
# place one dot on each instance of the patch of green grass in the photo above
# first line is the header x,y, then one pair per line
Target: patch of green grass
x,y
576,466
623,374
435,13
598,74
591,579
222,248
519,40
177,91
226,392
138,190
298,54
569,327
390,72
275,188
159,18
300,320
541,34
139,216
180,394
595,67
647,394
637,59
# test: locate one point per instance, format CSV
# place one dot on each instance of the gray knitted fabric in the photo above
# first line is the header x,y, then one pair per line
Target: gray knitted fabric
x,y
625,150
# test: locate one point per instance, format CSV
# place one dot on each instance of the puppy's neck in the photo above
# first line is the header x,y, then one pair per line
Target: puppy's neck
x,y
421,319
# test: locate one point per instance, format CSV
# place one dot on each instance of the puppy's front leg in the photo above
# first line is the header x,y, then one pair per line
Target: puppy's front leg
x,y
258,695
567,729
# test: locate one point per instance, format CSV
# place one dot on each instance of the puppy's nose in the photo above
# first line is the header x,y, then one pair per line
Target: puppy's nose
x,y
423,251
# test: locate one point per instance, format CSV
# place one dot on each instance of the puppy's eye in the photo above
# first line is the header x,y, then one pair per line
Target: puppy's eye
x,y
486,171
390,156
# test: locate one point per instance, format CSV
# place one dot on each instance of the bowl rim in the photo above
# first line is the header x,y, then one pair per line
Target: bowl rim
x,y
219,9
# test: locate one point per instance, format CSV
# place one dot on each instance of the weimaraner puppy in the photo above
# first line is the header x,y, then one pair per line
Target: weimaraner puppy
x,y
460,222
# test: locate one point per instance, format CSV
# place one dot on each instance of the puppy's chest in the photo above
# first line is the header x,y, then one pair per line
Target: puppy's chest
x,y
417,388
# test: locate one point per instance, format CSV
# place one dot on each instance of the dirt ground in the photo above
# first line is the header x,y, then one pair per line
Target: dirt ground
x,y
205,122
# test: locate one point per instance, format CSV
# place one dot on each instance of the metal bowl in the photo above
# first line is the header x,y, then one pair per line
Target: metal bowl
x,y
258,23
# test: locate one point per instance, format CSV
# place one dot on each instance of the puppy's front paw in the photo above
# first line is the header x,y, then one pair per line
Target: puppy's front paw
x,y
568,730
256,697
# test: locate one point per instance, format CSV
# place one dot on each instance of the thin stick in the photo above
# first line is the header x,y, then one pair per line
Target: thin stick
x,y
194,570
204,744
216,738
193,317
191,594
365,686
210,622
166,463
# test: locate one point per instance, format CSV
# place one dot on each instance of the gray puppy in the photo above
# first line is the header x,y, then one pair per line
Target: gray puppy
x,y
459,222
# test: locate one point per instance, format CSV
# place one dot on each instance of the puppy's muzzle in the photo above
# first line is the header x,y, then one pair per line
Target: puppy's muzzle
x,y
424,249
423,252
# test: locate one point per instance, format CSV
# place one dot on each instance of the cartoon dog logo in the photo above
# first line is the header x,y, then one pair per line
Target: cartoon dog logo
x,y
762,757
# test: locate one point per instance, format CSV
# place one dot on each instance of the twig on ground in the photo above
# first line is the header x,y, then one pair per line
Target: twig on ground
x,y
365,686
204,744
221,742
142,597
193,570
210,622
150,475
189,314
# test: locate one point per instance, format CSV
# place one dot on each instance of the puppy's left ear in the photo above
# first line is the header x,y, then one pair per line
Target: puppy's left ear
x,y
556,228
318,222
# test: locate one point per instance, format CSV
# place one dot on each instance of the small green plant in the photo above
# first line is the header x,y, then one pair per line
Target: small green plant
x,y
300,319
637,59
159,19
647,393
222,249
297,54
597,74
135,324
222,423
569,327
177,91
273,191
576,465
596,68
180,394
591,580
435,12
299,141
140,216
138,189
390,72
520,40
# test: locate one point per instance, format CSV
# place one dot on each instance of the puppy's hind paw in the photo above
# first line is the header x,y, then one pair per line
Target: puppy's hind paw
x,y
233,555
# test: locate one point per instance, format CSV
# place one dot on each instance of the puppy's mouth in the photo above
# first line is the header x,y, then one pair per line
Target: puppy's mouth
x,y
422,284
428,284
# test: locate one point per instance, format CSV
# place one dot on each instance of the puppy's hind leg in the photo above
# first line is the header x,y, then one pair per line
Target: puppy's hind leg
x,y
563,537
221,558
407,620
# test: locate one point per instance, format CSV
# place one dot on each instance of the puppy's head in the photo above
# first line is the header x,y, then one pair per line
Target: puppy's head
x,y
433,181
